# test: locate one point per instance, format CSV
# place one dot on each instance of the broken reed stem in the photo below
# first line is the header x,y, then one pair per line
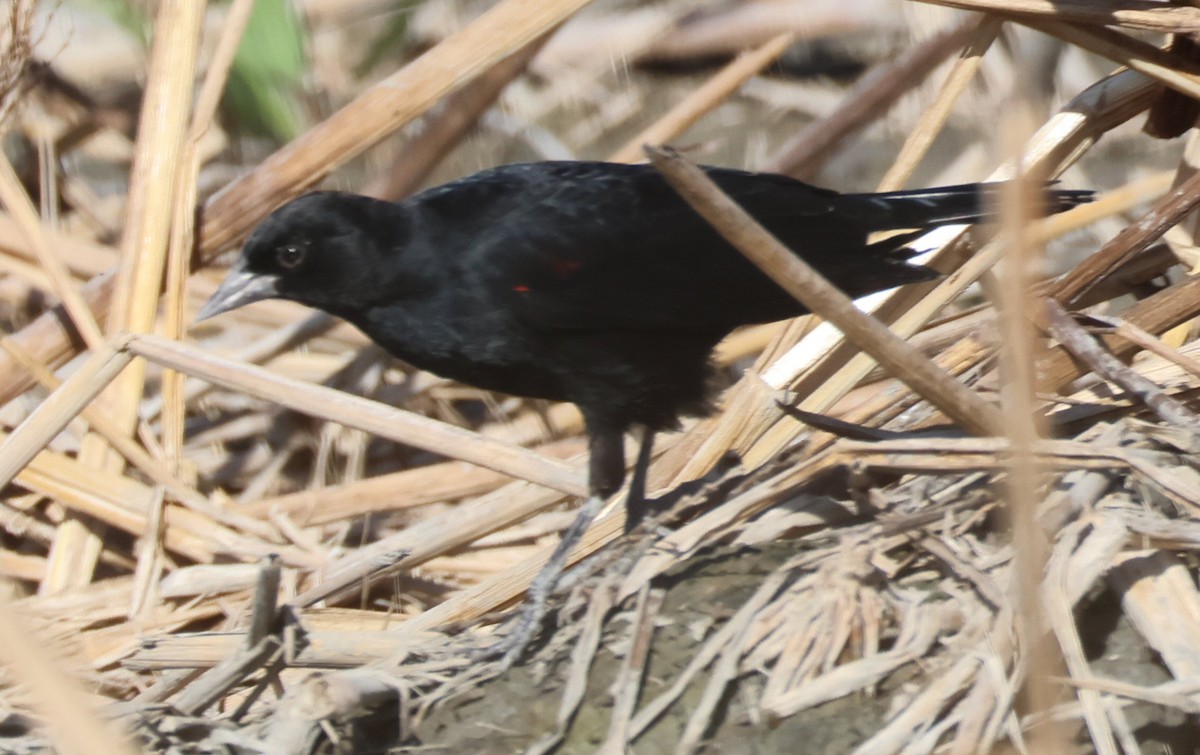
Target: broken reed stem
x,y
264,609
809,288
1079,342
933,119
703,99
357,412
1155,314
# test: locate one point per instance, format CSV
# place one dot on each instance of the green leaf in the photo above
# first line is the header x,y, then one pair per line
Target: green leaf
x,y
266,82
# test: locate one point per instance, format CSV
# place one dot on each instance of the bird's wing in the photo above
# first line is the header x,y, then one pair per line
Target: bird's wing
x,y
600,249
607,251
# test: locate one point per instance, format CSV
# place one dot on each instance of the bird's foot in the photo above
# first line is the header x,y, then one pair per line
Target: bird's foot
x,y
513,645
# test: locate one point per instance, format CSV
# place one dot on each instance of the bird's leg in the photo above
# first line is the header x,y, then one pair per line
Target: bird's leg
x,y
606,459
606,469
636,504
538,596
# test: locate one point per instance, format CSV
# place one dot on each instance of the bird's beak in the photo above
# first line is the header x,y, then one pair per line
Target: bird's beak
x,y
240,287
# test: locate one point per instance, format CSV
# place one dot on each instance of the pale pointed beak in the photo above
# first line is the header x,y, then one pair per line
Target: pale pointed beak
x,y
239,288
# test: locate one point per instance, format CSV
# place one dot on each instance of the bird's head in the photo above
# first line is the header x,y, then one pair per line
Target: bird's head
x,y
326,249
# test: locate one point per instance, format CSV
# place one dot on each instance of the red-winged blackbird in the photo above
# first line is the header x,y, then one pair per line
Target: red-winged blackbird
x,y
578,281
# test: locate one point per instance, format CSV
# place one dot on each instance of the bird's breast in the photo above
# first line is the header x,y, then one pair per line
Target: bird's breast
x,y
493,353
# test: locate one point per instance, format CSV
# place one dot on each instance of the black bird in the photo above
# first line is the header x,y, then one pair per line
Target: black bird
x,y
587,282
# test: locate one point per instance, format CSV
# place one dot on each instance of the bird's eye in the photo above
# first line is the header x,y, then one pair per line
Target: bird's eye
x,y
289,256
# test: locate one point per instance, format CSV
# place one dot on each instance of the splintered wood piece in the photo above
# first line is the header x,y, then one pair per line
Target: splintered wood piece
x,y
1160,598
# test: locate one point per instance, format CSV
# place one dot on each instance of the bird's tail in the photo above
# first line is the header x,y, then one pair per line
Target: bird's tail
x,y
949,205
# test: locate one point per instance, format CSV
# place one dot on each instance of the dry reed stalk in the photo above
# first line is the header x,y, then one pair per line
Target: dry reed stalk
x,y
854,675
1114,202
151,564
583,655
32,275
629,682
891,400
713,524
1134,14
322,648
503,588
747,342
53,414
173,409
703,99
420,486
154,182
15,566
1101,718
183,221
126,446
1174,71
728,646
1130,242
927,704
1024,421
125,504
1181,240
353,411
1149,343
1079,342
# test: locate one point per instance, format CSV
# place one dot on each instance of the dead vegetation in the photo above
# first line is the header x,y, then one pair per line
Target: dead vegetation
x,y
264,536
